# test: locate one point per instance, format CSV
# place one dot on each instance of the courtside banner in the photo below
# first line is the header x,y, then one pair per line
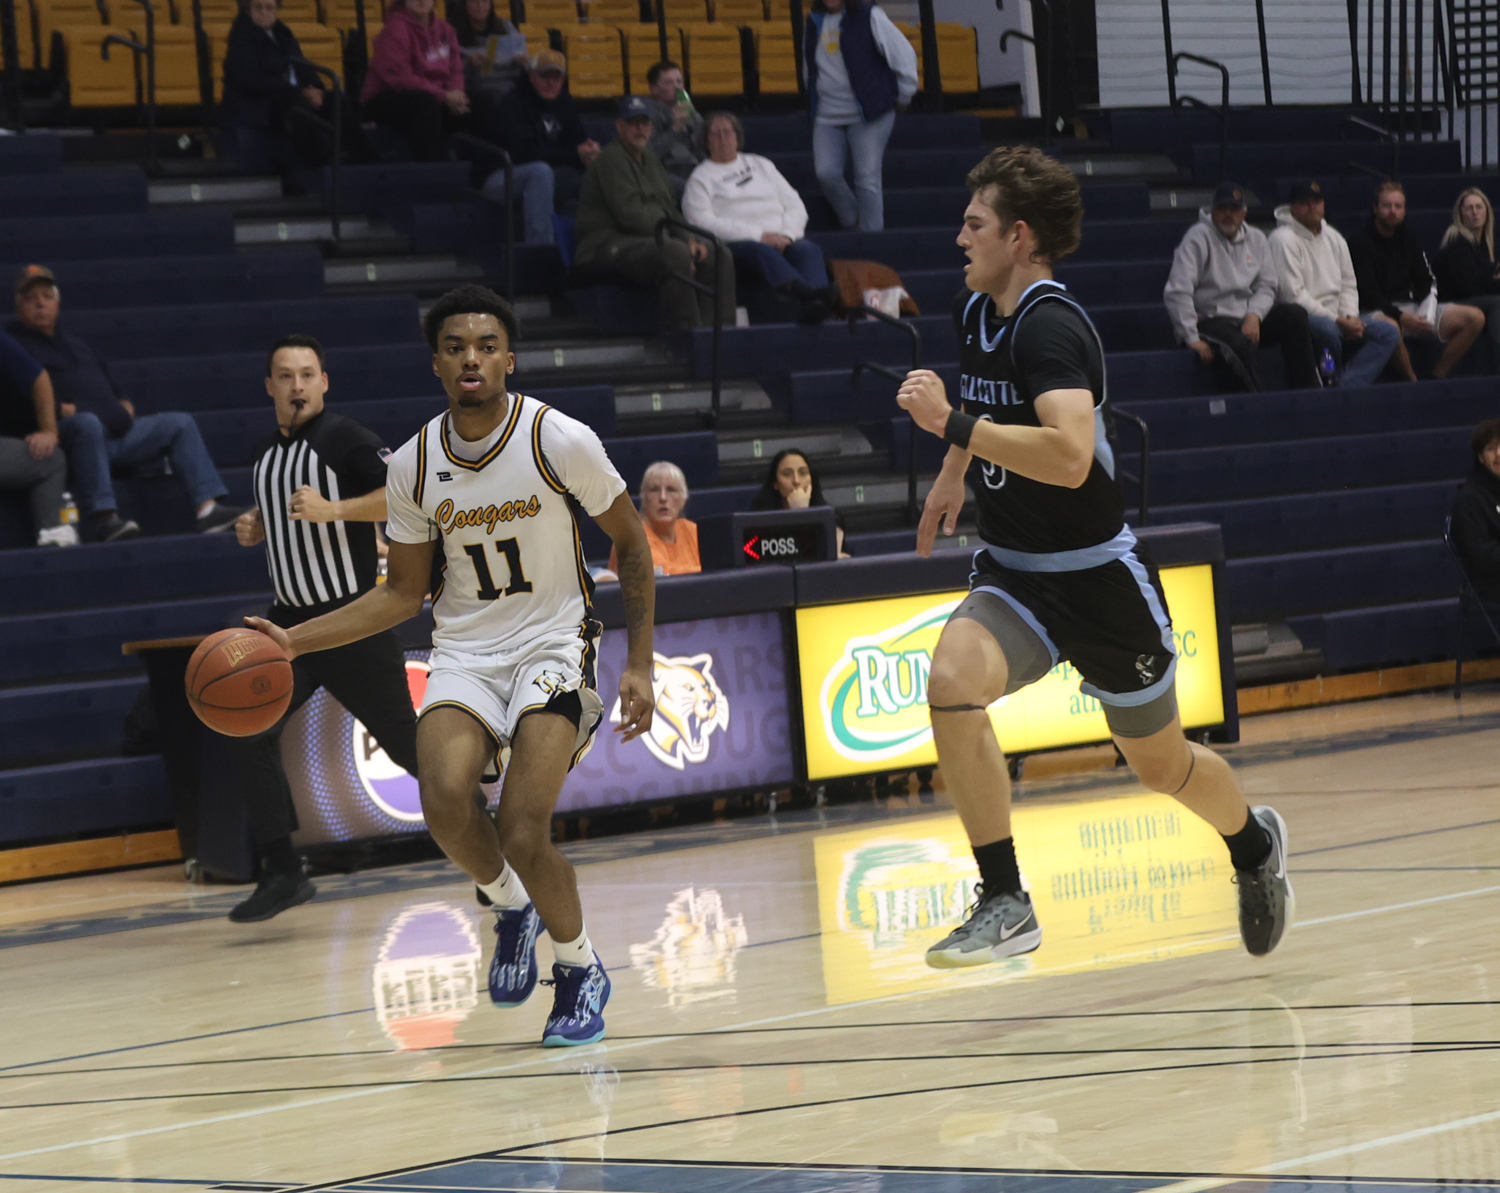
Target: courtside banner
x,y
721,723
864,667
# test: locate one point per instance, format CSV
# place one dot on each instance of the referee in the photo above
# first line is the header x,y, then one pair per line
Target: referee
x,y
319,489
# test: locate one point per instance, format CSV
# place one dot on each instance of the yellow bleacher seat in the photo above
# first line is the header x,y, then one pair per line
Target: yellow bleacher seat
x,y
643,51
551,13
613,12
216,12
25,36
711,56
92,82
683,12
320,44
775,57
176,64
738,12
301,11
59,14
217,33
596,62
958,55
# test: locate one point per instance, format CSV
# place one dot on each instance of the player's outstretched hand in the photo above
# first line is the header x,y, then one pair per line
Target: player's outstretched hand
x,y
273,632
637,703
945,501
308,505
923,396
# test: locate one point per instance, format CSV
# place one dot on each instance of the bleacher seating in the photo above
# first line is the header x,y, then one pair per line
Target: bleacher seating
x,y
92,81
738,12
596,61
614,12
711,59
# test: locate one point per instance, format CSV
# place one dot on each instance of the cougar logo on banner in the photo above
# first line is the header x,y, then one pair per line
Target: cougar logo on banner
x,y
689,706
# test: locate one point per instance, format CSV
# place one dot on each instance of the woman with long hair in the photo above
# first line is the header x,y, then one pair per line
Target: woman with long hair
x,y
1465,266
791,484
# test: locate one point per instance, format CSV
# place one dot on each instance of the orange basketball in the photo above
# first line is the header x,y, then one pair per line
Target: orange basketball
x,y
239,682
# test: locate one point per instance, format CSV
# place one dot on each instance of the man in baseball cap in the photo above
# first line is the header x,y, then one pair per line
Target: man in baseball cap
x,y
538,124
1315,271
626,193
1221,296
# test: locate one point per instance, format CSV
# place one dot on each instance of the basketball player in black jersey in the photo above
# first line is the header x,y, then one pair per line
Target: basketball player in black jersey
x,y
1060,575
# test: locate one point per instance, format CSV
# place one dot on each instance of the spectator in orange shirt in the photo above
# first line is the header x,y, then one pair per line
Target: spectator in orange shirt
x,y
673,539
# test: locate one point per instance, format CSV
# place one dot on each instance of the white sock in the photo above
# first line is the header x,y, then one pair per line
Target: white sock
x,y
575,952
506,892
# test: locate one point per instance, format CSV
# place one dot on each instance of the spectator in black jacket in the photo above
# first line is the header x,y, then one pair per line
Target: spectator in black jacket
x,y
1465,265
1394,283
539,126
262,87
1476,515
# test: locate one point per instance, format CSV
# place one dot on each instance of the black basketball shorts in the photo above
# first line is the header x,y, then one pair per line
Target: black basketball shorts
x,y
1109,621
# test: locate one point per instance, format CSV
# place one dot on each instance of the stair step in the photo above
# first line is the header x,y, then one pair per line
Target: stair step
x,y
742,447
443,268
540,358
688,398
212,190
1191,198
303,229
1121,165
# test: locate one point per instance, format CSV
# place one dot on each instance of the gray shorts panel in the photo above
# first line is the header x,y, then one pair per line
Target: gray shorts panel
x,y
1142,720
1027,657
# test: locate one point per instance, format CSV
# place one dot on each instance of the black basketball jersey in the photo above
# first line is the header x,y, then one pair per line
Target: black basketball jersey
x,y
1048,343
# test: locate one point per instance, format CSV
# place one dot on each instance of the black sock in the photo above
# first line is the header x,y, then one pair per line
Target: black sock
x,y
1250,846
997,866
280,857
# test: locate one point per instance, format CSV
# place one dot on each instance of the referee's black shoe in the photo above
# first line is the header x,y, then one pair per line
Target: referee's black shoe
x,y
1267,904
276,892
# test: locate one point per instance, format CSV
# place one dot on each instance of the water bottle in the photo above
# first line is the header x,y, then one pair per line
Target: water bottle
x,y
685,102
69,511
1328,369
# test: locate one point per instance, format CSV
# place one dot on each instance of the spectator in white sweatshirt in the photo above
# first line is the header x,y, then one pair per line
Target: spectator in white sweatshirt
x,y
1314,270
743,200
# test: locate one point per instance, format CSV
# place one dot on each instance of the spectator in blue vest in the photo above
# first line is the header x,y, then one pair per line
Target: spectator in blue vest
x,y
100,430
860,68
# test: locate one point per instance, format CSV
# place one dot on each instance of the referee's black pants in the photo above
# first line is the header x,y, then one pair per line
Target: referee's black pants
x,y
368,678
1284,327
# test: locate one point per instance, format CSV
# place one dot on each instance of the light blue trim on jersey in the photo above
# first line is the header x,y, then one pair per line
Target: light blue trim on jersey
x,y
1025,615
1133,699
1159,615
1078,560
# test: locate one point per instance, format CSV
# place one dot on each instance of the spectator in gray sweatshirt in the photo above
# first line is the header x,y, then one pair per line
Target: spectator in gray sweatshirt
x,y
1221,297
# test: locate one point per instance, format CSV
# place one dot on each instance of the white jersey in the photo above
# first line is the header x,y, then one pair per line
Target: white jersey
x,y
506,525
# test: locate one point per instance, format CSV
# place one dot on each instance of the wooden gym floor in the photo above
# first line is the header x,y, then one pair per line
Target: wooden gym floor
x,y
773,1026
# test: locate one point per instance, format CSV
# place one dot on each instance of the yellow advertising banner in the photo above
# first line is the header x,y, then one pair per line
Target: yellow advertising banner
x,y
864,666
1122,881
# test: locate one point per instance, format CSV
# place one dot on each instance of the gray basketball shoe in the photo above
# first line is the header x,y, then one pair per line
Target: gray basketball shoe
x,y
999,925
1267,905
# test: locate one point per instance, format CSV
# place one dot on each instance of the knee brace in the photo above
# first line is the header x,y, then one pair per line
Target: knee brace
x,y
956,707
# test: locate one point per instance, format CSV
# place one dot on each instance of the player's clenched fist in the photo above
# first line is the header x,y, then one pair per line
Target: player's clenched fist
x,y
249,529
637,703
923,396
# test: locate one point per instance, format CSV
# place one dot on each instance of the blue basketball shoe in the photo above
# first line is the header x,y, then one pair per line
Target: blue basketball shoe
x,y
579,993
513,971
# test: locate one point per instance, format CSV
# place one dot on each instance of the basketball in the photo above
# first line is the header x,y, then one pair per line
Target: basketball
x,y
239,682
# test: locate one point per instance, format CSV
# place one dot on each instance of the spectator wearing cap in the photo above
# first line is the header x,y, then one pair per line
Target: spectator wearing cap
x,y
1221,295
100,430
415,84
1395,285
1314,270
539,126
676,127
743,199
30,458
626,193
1476,515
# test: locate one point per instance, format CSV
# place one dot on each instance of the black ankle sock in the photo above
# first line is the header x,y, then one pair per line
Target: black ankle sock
x,y
997,866
1250,846
280,857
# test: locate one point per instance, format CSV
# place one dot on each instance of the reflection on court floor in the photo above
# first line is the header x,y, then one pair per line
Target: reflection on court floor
x,y
692,954
1116,882
426,979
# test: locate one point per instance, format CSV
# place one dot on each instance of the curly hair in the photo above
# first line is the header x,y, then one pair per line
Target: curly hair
x,y
468,300
1026,184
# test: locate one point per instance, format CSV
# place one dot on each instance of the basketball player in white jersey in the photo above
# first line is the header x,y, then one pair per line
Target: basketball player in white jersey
x,y
491,491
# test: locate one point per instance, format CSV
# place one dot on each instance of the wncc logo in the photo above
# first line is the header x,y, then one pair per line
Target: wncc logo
x,y
874,699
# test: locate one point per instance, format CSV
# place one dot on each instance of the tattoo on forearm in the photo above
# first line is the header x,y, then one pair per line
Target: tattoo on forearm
x,y
638,587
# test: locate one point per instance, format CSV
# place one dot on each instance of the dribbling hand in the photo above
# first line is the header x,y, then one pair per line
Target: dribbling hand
x,y
637,704
275,633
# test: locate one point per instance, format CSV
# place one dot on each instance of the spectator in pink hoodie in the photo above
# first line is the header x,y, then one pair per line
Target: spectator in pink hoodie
x,y
415,84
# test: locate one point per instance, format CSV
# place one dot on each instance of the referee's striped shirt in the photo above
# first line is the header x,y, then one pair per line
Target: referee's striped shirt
x,y
316,566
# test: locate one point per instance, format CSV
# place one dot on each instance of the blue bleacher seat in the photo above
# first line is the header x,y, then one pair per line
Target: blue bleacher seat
x,y
1410,632
390,190
167,281
35,153
1253,164
65,718
1268,587
83,238
98,192
83,797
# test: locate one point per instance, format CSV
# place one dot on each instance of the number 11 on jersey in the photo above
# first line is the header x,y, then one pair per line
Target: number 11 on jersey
x,y
512,552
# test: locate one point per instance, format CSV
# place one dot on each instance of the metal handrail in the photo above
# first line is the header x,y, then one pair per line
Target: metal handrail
x,y
508,202
140,51
338,148
10,42
720,252
1384,134
150,9
870,366
1224,102
1044,103
1145,478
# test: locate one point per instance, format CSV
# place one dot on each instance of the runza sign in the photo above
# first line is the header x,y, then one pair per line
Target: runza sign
x,y
864,669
